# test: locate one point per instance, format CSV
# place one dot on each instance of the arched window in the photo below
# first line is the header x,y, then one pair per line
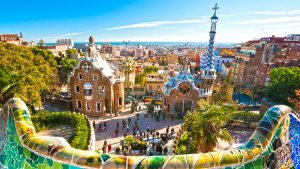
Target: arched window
x,y
95,76
101,89
86,66
79,76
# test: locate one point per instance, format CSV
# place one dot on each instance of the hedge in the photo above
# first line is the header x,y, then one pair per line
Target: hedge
x,y
183,141
81,136
246,117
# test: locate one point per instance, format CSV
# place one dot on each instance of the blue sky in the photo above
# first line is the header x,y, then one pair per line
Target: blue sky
x,y
149,20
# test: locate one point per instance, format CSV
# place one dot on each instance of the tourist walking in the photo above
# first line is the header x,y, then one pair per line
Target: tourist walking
x,y
127,127
118,150
129,121
165,150
103,149
116,132
172,132
167,130
118,125
99,127
172,117
94,124
123,124
109,148
104,125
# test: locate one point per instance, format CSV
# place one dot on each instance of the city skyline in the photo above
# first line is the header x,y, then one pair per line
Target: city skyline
x,y
164,21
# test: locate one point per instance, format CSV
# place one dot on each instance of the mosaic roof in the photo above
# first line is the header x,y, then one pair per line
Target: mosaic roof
x,y
183,76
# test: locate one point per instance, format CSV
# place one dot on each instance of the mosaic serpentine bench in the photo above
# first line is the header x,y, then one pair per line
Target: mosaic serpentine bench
x,y
274,144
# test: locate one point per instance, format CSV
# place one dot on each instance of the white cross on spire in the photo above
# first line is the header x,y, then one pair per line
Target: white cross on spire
x,y
215,8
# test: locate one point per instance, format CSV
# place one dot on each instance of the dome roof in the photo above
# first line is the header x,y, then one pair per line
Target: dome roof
x,y
91,39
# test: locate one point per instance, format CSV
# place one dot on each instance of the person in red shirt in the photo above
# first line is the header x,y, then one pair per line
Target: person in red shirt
x,y
109,148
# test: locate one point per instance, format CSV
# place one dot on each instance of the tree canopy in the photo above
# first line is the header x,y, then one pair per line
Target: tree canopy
x,y
65,67
35,69
207,124
221,96
71,51
141,79
283,82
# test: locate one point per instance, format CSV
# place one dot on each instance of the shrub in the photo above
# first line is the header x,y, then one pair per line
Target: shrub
x,y
184,138
81,136
181,149
246,117
134,142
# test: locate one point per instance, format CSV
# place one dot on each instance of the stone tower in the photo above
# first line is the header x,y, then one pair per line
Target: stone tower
x,y
208,72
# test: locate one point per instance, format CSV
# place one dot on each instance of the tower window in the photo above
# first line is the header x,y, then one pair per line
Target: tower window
x,y
79,76
86,67
77,89
101,89
78,104
88,106
98,107
120,101
95,76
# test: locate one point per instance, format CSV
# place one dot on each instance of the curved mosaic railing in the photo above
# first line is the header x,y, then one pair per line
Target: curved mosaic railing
x,y
275,143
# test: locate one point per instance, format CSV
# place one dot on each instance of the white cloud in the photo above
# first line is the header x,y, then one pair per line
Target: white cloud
x,y
292,12
274,20
76,33
158,23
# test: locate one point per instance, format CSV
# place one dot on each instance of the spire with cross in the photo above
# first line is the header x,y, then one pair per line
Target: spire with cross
x,y
210,56
215,8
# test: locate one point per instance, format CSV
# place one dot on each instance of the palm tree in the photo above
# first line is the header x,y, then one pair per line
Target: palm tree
x,y
206,125
128,68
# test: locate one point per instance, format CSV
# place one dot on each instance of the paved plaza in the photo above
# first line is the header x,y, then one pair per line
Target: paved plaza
x,y
143,122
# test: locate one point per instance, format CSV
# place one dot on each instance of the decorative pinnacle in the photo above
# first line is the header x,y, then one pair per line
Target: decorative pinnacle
x,y
215,8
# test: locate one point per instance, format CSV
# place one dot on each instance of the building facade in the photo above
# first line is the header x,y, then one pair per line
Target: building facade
x,y
182,92
12,38
96,86
154,83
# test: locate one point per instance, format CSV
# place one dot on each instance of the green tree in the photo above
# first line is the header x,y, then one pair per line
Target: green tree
x,y
47,55
71,51
283,82
34,73
65,68
207,124
222,95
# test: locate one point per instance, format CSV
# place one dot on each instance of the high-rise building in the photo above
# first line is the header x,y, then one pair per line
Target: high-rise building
x,y
65,42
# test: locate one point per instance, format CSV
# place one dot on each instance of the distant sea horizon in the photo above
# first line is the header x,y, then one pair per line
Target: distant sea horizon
x,y
82,45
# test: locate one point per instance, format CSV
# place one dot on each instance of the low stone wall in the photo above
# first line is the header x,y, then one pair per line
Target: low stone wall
x,y
177,138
